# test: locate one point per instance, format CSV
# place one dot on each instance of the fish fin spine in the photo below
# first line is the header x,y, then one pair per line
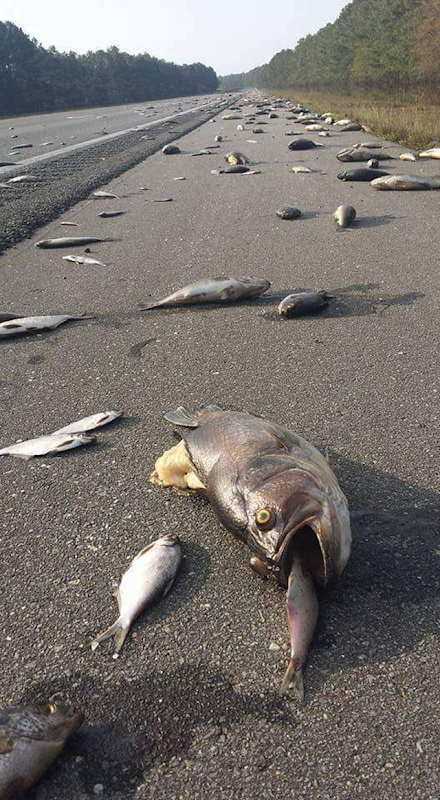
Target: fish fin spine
x,y
182,417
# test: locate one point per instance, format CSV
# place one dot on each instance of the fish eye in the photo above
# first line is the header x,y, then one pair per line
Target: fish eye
x,y
48,709
265,518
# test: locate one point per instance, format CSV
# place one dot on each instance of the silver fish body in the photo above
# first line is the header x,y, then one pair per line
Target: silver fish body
x,y
302,615
361,154
408,183
109,195
213,290
31,738
6,315
149,576
91,423
68,241
84,260
25,179
44,445
301,304
344,215
23,325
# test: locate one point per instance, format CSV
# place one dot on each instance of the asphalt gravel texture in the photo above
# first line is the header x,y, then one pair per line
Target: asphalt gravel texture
x,y
191,709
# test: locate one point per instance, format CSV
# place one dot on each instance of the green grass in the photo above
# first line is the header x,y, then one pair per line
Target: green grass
x,y
413,121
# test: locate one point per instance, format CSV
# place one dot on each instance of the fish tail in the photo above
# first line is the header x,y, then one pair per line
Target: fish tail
x,y
159,304
118,630
294,676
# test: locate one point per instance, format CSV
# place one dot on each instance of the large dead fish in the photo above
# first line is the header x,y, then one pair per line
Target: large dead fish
x,y
361,154
149,576
31,738
69,241
408,183
22,325
91,423
273,490
44,445
213,290
433,152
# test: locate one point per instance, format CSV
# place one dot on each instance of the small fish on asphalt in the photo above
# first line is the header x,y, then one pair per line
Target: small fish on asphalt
x,y
361,154
407,157
149,577
102,193
233,169
408,183
433,152
8,164
69,241
170,150
344,215
44,445
300,170
213,290
218,138
31,738
25,179
302,615
108,214
91,423
21,146
70,224
235,157
363,174
302,144
300,304
288,212
22,325
84,260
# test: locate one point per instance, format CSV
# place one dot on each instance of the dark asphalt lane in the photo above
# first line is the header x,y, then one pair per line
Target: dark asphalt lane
x,y
48,132
191,709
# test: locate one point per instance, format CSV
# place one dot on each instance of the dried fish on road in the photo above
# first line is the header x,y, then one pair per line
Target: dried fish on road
x,y
104,194
91,423
300,304
108,214
408,183
213,290
149,577
69,241
22,325
44,445
84,260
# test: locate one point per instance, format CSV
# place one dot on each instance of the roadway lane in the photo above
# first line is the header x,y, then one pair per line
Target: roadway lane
x,y
66,128
191,710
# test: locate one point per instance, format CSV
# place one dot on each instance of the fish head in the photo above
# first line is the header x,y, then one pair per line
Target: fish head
x,y
169,540
289,514
47,722
255,286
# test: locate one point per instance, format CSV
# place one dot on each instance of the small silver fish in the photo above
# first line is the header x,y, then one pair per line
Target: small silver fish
x,y
302,615
45,144
300,170
344,215
90,423
108,214
409,183
21,325
84,260
31,738
149,576
407,157
102,193
43,445
21,146
69,241
213,290
301,303
25,179
70,224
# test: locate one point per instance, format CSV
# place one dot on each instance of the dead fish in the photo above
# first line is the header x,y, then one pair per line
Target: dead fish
x,y
409,183
102,193
236,158
299,170
45,144
201,153
21,325
21,146
31,738
170,150
43,445
301,303
91,423
70,224
232,116
8,163
240,127
343,122
25,179
361,154
302,144
315,126
302,615
163,200
344,215
362,174
350,126
236,169
373,163
108,214
433,152
288,212
407,157
69,241
213,290
84,260
218,138
149,576
269,487
257,130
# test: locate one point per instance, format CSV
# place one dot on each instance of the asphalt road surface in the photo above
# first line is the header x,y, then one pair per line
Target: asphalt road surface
x,y
191,709
48,133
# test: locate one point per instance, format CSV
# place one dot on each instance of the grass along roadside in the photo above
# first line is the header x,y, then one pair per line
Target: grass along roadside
x,y
414,122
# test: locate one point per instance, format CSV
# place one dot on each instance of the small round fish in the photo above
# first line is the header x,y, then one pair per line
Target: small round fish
x,y
301,304
302,144
344,215
235,157
170,150
288,212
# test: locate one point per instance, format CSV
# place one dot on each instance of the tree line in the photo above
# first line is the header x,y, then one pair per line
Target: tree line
x,y
373,43
33,78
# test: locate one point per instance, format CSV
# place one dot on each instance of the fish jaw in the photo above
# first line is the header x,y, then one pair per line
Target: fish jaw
x,y
302,615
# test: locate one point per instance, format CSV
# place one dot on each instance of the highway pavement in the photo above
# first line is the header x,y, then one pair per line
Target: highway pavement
x,y
191,708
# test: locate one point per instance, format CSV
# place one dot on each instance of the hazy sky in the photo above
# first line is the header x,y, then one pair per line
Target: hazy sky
x,y
229,35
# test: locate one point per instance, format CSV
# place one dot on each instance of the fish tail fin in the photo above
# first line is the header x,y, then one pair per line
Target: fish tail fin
x,y
159,304
293,676
183,417
118,630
